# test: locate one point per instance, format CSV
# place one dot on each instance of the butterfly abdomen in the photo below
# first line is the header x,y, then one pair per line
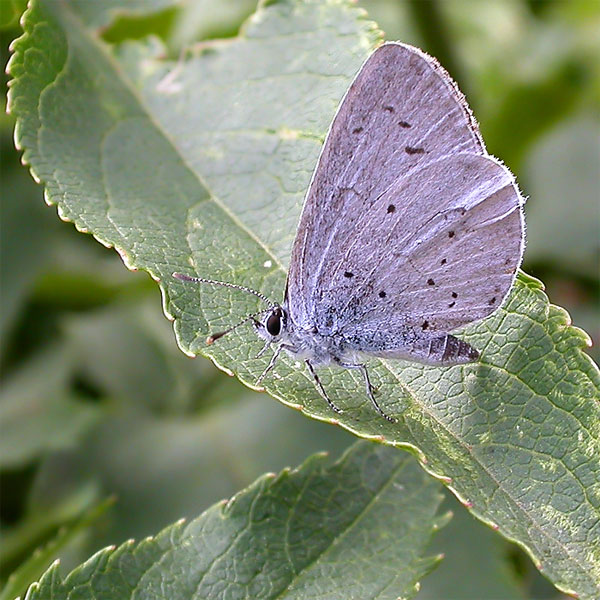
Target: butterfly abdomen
x,y
449,350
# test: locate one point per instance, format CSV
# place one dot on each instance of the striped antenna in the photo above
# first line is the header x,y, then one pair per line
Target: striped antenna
x,y
215,336
233,286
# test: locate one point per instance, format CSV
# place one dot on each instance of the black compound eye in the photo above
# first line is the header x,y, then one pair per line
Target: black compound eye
x,y
273,324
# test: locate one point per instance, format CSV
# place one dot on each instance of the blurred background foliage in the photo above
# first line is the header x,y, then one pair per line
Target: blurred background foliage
x,y
96,398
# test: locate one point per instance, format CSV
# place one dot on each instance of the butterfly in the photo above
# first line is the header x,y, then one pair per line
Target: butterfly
x,y
409,230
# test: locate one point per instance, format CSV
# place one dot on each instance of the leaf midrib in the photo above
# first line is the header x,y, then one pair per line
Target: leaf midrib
x,y
348,528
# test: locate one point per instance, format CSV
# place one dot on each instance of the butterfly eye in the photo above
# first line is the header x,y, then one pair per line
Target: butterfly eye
x,y
273,324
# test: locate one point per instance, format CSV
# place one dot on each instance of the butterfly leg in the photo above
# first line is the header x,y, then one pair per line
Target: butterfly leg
x,y
271,362
369,387
263,349
321,388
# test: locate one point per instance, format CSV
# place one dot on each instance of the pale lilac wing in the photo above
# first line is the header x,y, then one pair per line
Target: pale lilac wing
x,y
401,112
439,249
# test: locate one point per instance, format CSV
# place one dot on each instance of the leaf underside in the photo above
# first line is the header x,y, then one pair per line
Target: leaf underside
x,y
201,165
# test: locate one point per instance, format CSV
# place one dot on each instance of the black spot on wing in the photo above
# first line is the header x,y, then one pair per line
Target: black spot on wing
x,y
348,274
443,261
451,234
391,208
430,281
404,124
357,130
382,294
414,150
492,301
454,295
451,304
425,325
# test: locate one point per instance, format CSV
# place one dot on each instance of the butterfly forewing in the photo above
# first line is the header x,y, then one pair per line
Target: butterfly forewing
x,y
407,222
401,110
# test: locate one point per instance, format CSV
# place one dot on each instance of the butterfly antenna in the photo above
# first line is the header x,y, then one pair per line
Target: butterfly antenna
x,y
215,336
233,286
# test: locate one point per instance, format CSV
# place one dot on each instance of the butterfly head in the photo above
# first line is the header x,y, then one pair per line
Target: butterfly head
x,y
274,325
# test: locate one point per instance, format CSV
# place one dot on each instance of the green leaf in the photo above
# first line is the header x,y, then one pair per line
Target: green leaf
x,y
563,165
475,564
205,19
210,456
37,563
10,13
24,235
294,535
61,507
139,370
38,413
101,14
201,165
